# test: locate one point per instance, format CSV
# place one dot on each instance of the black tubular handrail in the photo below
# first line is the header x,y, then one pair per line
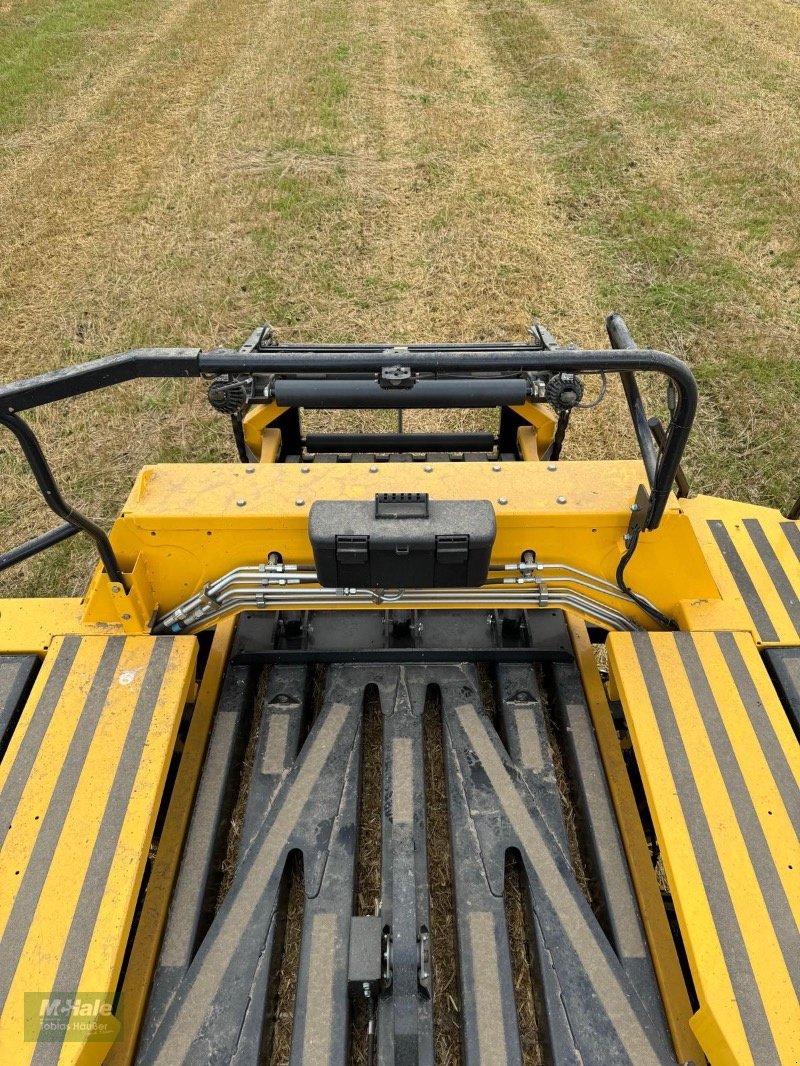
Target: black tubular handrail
x,y
32,450
621,339
69,381
457,366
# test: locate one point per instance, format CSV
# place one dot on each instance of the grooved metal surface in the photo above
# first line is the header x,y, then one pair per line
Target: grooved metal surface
x,y
502,794
721,769
80,787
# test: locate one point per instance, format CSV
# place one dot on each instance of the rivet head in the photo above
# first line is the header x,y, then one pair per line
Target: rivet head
x,y
305,469
497,469
241,503
126,618
503,500
428,469
299,501
373,470
249,470
634,507
552,467
561,499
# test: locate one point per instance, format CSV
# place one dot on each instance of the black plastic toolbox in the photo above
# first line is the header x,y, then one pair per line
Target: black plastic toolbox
x,y
402,540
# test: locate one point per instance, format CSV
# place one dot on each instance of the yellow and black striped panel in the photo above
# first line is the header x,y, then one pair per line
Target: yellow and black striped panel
x,y
762,557
721,770
80,787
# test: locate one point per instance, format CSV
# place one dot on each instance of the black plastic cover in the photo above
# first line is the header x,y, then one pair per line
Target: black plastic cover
x,y
784,666
16,677
402,541
365,963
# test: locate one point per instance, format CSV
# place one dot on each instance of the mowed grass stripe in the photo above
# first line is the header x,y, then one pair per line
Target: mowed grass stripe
x,y
51,48
354,170
638,183
150,235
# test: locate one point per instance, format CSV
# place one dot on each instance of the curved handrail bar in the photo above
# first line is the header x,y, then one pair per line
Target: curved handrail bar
x,y
296,360
77,380
32,450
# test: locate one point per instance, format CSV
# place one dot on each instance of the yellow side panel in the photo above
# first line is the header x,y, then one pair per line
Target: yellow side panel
x,y
721,770
27,626
80,788
153,917
191,524
754,556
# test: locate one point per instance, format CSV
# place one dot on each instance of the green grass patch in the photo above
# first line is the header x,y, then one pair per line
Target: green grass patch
x,y
659,262
42,44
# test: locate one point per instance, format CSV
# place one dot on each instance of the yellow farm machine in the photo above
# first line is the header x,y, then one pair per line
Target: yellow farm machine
x,y
403,747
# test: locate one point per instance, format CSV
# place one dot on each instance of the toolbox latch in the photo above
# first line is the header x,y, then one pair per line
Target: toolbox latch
x,y
452,548
352,550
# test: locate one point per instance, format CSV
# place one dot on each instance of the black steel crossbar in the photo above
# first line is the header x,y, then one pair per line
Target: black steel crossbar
x,y
369,443
36,544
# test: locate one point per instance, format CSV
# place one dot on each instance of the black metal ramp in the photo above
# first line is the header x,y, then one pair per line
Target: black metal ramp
x,y
16,677
219,994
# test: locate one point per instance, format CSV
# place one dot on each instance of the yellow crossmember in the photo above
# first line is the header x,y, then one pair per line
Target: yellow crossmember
x,y
80,788
721,770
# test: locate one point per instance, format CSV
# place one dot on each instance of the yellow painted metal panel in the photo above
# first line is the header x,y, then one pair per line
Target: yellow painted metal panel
x,y
703,717
666,965
213,489
270,445
527,442
27,626
544,422
754,564
81,821
152,920
255,420
194,524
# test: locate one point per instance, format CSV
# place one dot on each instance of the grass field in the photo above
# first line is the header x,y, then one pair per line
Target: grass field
x,y
177,171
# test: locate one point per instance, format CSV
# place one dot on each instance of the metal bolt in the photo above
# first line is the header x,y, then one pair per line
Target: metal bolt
x,y
115,588
502,500
627,538
241,503
552,467
497,469
428,469
126,618
299,501
304,469
249,470
373,470
634,507
561,499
